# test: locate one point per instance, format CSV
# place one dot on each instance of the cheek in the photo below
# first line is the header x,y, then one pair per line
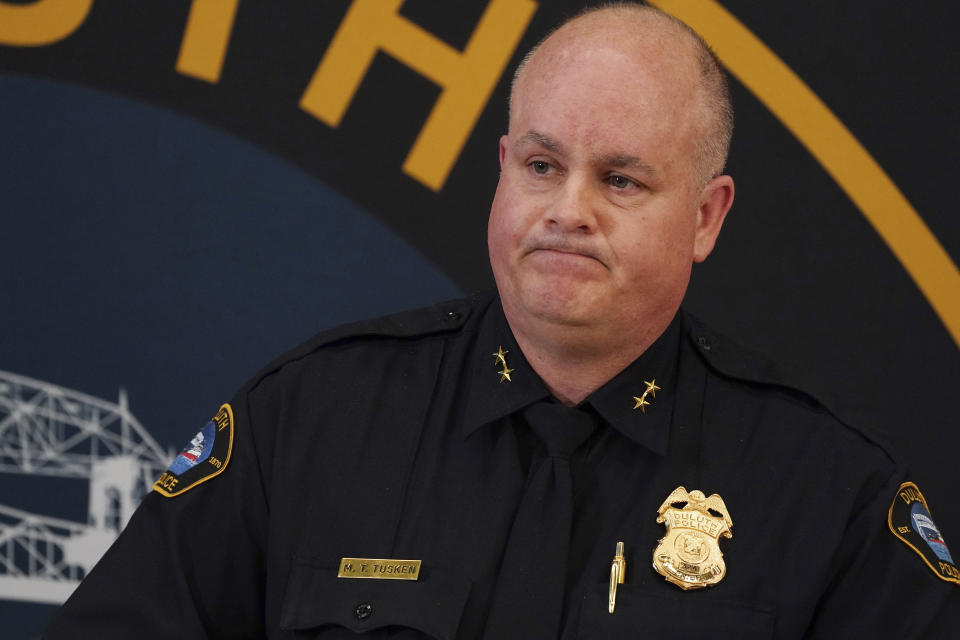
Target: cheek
x,y
507,223
658,248
499,230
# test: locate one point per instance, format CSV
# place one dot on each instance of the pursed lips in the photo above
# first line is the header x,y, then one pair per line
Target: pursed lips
x,y
565,249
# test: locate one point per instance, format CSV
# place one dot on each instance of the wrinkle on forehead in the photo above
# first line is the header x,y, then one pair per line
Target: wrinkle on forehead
x,y
613,74
627,29
618,46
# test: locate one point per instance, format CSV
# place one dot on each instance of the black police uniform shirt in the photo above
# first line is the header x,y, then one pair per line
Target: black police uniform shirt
x,y
399,438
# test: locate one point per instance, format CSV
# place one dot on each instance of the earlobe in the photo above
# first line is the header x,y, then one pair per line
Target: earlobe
x,y
715,201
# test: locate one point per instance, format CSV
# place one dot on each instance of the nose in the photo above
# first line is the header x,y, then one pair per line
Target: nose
x,y
573,209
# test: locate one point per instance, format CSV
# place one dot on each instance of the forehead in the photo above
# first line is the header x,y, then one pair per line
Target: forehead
x,y
610,85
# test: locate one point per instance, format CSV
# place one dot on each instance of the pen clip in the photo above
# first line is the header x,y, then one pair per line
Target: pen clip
x,y
617,570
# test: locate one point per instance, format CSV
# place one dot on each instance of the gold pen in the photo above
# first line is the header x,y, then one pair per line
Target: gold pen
x,y
617,570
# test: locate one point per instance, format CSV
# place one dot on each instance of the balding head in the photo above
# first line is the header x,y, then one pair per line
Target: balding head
x,y
650,31
607,193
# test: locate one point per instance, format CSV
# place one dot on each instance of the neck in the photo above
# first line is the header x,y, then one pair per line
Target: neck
x,y
575,361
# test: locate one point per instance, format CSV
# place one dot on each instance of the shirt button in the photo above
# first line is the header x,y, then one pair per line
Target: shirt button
x,y
363,611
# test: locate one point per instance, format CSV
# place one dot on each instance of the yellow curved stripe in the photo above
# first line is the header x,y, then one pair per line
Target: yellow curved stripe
x,y
832,144
41,22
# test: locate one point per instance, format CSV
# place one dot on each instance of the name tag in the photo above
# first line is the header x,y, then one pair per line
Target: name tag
x,y
379,568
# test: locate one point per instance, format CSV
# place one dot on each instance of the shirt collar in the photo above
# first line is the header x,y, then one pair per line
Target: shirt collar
x,y
490,395
490,398
615,401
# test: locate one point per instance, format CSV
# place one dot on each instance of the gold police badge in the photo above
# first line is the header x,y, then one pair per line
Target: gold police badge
x,y
689,555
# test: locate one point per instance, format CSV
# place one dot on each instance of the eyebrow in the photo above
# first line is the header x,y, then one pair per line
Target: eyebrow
x,y
542,140
627,162
619,161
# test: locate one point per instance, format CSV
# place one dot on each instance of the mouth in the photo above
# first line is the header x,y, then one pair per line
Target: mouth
x,y
566,253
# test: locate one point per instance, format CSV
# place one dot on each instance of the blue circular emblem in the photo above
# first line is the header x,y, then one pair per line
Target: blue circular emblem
x,y
197,451
924,525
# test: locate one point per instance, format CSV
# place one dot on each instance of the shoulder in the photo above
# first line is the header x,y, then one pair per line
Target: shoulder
x,y
755,377
731,360
403,330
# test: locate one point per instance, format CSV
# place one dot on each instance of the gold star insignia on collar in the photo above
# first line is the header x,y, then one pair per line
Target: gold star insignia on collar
x,y
652,388
641,402
500,359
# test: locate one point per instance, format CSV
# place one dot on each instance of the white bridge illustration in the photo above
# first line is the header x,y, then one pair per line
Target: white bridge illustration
x,y
46,430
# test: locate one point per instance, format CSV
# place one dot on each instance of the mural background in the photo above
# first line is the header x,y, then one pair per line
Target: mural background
x,y
165,233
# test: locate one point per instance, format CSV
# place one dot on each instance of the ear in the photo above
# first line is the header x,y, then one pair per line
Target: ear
x,y
715,201
503,148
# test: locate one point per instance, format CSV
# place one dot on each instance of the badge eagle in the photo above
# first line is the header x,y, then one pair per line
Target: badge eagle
x,y
689,554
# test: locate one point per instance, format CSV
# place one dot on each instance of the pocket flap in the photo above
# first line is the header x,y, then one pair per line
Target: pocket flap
x,y
688,615
316,597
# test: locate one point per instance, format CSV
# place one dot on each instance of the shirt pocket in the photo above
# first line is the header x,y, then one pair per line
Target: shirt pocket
x,y
318,604
668,617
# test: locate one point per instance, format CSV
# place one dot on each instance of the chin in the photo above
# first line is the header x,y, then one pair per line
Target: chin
x,y
562,318
571,306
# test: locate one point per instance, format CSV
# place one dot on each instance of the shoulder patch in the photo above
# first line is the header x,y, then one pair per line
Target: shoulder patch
x,y
910,520
206,456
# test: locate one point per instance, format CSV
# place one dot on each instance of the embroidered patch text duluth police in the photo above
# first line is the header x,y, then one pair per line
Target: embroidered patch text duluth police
x,y
206,456
909,519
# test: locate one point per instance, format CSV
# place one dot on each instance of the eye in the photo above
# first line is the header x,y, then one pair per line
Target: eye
x,y
540,167
620,182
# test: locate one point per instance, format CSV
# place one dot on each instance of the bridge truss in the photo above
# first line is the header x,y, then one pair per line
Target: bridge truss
x,y
48,430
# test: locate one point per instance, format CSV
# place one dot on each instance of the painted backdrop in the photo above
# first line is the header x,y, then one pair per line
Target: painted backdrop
x,y
189,188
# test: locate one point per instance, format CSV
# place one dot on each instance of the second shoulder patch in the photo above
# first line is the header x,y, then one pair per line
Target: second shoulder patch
x,y
909,519
206,456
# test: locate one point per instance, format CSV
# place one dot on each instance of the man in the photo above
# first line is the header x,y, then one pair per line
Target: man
x,y
573,458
